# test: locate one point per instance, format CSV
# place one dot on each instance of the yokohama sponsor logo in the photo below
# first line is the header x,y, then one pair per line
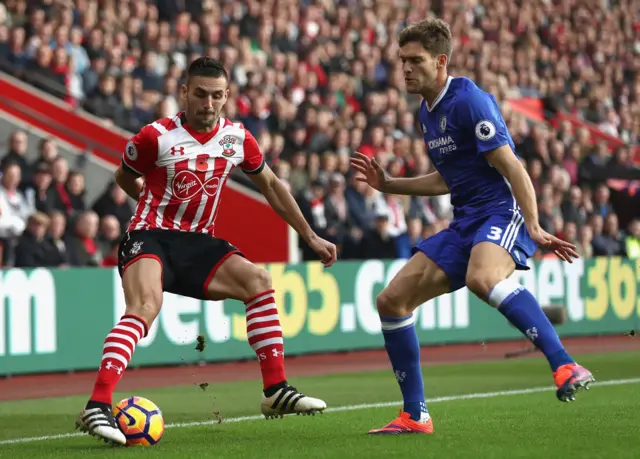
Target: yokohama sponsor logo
x,y
187,184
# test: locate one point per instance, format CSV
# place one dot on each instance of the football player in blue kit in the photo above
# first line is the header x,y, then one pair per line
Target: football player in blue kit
x,y
494,231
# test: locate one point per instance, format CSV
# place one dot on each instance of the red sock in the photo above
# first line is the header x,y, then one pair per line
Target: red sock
x,y
265,337
116,354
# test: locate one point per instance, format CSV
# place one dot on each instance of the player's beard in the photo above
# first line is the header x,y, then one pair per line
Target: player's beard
x,y
209,120
204,120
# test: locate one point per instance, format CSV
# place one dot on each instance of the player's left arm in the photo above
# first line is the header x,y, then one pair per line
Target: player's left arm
x,y
281,200
504,160
492,140
480,113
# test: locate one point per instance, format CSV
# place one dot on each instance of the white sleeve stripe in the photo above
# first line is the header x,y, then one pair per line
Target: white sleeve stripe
x,y
159,127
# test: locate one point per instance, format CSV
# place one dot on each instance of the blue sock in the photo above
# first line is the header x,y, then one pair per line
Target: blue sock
x,y
521,308
403,348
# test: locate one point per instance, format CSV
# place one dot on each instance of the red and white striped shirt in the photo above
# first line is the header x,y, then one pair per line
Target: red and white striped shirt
x,y
185,171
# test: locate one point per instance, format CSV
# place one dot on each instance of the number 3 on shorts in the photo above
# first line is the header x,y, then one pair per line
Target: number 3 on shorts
x,y
495,233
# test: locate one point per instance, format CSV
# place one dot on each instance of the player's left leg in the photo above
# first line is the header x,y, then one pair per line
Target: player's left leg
x,y
217,271
500,248
241,280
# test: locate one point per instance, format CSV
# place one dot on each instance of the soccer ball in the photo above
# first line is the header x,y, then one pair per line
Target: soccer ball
x,y
140,420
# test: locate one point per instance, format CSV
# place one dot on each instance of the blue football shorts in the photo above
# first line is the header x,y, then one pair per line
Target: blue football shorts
x,y
450,249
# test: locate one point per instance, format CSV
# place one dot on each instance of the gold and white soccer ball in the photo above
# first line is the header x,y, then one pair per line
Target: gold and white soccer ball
x,y
140,420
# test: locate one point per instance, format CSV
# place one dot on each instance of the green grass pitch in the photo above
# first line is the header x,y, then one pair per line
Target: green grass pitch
x,y
503,410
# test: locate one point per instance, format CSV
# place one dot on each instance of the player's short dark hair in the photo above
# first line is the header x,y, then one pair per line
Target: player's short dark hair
x,y
207,67
433,34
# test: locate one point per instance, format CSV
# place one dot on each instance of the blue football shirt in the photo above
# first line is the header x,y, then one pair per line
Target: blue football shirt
x,y
462,125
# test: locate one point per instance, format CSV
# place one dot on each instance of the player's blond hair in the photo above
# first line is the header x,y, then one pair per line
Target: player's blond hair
x,y
433,34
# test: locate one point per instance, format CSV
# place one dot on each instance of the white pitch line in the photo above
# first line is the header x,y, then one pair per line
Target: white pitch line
x,y
363,406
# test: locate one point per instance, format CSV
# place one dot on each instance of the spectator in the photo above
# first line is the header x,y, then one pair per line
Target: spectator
x,y
75,191
103,101
356,196
339,221
58,194
397,208
91,76
573,209
34,248
298,176
18,147
114,202
608,242
571,163
44,72
16,56
632,241
48,151
601,202
109,234
545,215
584,246
14,209
311,203
57,231
620,165
36,192
377,242
83,247
570,232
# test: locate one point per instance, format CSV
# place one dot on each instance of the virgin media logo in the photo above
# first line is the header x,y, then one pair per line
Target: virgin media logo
x,y
186,185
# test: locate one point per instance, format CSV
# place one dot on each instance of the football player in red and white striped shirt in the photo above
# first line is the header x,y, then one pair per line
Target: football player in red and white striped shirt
x,y
176,169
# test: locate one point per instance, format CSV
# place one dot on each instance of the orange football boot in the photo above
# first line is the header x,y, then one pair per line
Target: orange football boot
x,y
403,424
570,378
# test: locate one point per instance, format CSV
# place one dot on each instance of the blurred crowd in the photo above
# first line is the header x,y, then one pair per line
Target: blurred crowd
x,y
315,80
44,217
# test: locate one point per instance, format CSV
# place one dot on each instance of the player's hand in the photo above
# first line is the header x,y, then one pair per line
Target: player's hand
x,y
564,250
369,171
325,250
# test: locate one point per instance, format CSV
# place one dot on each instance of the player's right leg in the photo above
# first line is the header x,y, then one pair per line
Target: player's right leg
x,y
141,268
436,268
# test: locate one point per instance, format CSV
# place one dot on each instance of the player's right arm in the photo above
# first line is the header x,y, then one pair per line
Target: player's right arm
x,y
373,174
130,183
138,159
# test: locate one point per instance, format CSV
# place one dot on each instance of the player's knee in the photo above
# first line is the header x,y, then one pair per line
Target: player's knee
x,y
258,282
480,283
146,305
389,305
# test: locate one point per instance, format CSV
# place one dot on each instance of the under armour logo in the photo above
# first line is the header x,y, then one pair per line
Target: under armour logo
x,y
277,353
111,366
177,150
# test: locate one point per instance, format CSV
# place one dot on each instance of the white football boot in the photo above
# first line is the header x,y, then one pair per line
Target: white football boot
x,y
100,423
288,401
